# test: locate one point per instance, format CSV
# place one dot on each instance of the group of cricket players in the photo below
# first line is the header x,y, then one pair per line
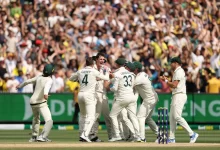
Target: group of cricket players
x,y
124,122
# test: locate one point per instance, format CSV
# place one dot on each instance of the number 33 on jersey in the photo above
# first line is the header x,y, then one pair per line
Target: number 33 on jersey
x,y
123,83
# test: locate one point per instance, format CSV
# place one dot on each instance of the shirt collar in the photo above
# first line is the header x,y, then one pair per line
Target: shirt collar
x,y
95,66
88,67
177,68
121,68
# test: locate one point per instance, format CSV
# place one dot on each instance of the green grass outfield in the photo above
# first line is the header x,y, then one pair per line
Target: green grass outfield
x,y
68,139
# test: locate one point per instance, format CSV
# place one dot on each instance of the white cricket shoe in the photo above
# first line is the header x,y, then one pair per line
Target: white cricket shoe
x,y
194,137
43,139
33,139
156,141
171,140
138,139
85,138
114,139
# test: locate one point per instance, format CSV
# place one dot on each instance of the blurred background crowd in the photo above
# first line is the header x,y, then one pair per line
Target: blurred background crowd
x,y
65,32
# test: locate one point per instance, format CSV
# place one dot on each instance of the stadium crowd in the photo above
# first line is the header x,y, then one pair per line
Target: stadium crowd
x,y
65,32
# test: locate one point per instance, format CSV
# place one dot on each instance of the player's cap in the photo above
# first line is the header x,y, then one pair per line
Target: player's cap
x,y
176,59
48,69
130,66
137,65
120,61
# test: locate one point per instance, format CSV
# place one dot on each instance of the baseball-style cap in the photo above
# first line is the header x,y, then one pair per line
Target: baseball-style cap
x,y
137,65
120,61
130,66
176,59
48,69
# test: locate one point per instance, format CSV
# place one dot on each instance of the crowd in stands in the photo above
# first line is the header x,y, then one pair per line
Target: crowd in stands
x,y
65,32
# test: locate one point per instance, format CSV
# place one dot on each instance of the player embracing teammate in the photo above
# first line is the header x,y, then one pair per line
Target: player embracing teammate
x,y
127,82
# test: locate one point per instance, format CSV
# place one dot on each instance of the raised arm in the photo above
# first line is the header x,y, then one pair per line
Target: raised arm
x,y
101,76
114,85
74,77
29,81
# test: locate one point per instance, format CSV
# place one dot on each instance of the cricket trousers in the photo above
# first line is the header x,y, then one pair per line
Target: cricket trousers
x,y
102,107
129,103
41,109
176,108
123,121
145,114
87,104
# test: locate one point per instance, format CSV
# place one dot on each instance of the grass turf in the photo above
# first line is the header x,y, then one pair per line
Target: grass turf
x,y
68,137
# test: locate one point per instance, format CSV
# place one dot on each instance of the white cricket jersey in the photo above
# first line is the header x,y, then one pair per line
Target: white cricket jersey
x,y
100,83
87,78
123,84
179,74
117,73
42,87
143,85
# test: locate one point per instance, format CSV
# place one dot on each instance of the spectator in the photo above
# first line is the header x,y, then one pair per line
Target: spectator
x,y
58,83
202,80
15,9
65,32
2,68
11,42
194,71
190,84
4,85
19,67
213,84
30,87
10,63
11,84
20,79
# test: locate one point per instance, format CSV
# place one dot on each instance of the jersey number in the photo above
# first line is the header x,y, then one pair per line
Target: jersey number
x,y
85,79
128,80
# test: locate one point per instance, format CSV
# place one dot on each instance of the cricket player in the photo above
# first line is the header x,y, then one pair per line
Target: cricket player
x,y
179,98
87,78
124,98
102,102
123,116
143,86
38,102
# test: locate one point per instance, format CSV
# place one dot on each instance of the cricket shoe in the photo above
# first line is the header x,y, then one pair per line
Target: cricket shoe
x,y
33,139
134,139
114,139
43,139
171,140
83,137
194,137
96,139
82,140
156,141
143,140
137,139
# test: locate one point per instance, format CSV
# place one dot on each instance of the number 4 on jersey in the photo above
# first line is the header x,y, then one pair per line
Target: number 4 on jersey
x,y
85,79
